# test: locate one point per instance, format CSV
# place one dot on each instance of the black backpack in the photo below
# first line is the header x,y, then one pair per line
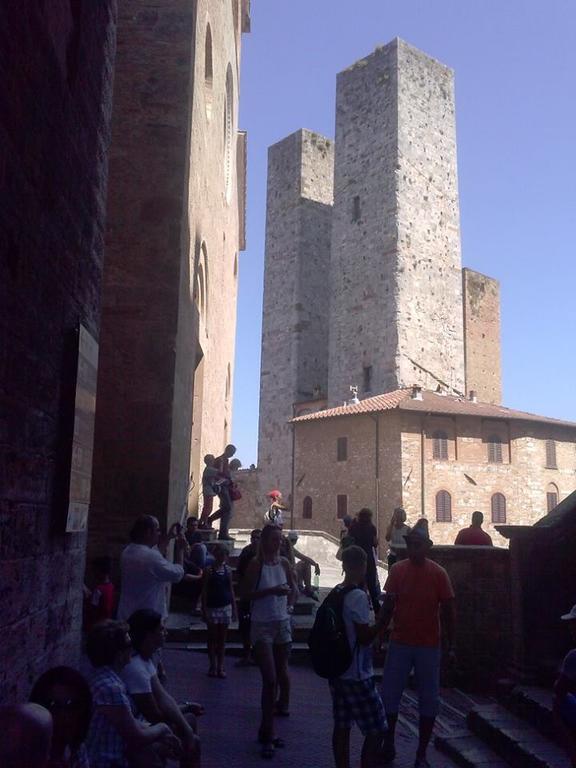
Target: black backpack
x,y
328,642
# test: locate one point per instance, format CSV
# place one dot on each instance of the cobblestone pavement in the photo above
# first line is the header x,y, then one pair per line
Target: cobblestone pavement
x,y
228,729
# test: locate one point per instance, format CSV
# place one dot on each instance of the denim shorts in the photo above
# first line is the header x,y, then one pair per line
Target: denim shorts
x,y
400,661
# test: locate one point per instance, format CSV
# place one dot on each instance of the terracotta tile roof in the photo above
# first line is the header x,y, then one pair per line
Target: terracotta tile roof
x,y
431,402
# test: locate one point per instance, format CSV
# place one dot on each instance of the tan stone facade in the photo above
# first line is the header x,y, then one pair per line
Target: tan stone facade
x,y
481,300
390,461
174,232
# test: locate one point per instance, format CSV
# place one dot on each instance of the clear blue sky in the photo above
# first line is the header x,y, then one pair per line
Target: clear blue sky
x,y
515,65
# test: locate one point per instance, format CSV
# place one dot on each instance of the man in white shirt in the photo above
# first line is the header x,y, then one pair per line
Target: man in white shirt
x,y
355,697
145,573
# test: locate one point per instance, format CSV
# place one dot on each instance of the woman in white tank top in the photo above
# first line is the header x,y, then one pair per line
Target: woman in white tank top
x,y
271,588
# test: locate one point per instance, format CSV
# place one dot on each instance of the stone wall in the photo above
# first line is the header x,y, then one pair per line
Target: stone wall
x,y
295,313
396,291
56,71
167,348
484,631
405,439
481,296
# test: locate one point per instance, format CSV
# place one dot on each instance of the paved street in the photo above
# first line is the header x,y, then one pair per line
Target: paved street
x,y
228,729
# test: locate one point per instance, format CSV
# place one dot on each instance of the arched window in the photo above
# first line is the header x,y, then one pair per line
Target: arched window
x,y
495,449
307,508
228,131
498,508
208,72
552,497
440,445
443,507
201,286
551,455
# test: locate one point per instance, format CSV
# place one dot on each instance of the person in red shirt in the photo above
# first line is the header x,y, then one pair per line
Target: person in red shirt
x,y
417,590
100,603
474,536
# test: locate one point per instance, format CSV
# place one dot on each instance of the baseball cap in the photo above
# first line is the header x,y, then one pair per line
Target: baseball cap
x,y
570,616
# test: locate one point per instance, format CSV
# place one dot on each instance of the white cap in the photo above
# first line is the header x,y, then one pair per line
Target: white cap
x,y
570,616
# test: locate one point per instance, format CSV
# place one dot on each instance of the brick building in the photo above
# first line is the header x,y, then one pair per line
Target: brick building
x,y
175,228
56,72
363,281
438,456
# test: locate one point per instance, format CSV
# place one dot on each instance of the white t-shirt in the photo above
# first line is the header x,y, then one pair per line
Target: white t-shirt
x,y
356,610
137,675
144,577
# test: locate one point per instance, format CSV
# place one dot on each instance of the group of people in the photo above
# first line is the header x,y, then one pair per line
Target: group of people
x,y
218,482
124,717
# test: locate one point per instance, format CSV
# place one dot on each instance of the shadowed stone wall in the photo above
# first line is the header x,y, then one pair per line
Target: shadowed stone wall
x,y
56,73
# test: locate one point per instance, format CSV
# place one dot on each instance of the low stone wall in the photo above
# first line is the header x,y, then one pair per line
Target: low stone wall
x,y
482,583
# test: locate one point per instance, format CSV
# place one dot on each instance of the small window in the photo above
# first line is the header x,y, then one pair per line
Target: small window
x,y
307,508
498,509
443,507
551,455
342,449
551,497
341,506
356,212
208,72
495,449
367,378
440,445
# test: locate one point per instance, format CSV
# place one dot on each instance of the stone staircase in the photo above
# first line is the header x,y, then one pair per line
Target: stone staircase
x,y
517,731
189,632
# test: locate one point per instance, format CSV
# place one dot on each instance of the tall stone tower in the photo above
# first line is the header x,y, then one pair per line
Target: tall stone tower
x,y
295,313
396,281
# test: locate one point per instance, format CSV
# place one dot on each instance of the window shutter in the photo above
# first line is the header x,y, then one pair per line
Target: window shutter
x,y
342,449
440,446
551,455
498,508
495,449
307,508
341,506
443,507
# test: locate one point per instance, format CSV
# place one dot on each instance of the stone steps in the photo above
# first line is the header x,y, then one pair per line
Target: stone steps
x,y
514,739
469,751
534,705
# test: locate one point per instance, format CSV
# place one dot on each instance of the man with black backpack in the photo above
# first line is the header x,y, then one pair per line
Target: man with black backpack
x,y
340,645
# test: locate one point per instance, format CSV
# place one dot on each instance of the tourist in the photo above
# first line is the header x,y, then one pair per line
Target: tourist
x,y
209,488
565,692
365,535
246,555
417,589
474,536
271,588
150,697
66,695
395,536
145,573
192,534
355,697
100,602
223,487
218,609
275,513
25,735
303,568
116,739
347,521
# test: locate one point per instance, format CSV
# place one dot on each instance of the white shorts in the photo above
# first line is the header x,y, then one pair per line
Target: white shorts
x,y
219,615
271,632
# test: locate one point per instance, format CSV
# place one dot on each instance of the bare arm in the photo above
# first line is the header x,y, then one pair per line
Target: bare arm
x,y
291,581
248,587
134,733
304,558
168,708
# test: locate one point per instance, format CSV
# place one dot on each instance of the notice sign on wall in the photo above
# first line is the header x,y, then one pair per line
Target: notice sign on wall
x,y
83,439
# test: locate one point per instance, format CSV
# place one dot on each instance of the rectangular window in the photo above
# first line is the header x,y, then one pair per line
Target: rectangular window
x,y
367,378
551,501
341,506
356,212
342,449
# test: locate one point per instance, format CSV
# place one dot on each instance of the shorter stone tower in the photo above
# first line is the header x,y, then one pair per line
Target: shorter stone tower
x,y
482,336
295,315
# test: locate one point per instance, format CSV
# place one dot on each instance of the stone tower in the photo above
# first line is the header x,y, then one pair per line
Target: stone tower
x,y
482,336
396,281
295,314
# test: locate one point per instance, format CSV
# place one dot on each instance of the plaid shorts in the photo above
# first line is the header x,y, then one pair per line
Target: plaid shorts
x,y
358,701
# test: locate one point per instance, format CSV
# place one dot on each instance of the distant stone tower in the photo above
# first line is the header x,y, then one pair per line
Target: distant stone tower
x,y
396,281
295,314
482,336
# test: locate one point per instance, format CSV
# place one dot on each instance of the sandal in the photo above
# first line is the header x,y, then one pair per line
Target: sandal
x,y
267,751
211,673
276,742
221,674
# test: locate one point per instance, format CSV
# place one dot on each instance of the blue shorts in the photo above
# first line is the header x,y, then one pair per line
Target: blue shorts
x,y
400,661
357,701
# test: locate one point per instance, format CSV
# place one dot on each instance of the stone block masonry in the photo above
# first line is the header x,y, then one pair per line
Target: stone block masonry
x,y
396,292
481,297
55,105
295,315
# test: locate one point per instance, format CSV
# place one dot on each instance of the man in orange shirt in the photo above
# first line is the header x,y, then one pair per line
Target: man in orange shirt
x,y
474,536
417,590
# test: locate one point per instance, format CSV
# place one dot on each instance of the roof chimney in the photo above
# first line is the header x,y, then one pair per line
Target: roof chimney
x,y
472,396
416,392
